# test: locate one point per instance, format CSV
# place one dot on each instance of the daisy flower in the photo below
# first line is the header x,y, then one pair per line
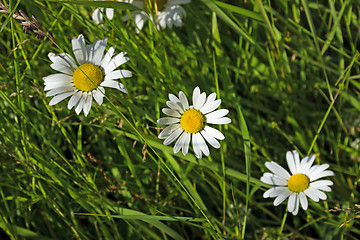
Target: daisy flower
x,y
298,185
189,122
167,13
87,79
97,15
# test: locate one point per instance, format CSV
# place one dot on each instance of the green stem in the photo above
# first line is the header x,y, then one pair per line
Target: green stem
x,y
282,224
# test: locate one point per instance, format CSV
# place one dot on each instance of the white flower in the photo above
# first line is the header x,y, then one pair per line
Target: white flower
x,y
189,122
167,13
97,15
86,80
300,184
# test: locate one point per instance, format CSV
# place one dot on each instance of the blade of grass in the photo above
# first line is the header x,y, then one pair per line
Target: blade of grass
x,y
247,148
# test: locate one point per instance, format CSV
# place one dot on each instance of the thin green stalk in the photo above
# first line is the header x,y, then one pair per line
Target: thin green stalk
x,y
247,149
313,31
221,149
347,70
282,224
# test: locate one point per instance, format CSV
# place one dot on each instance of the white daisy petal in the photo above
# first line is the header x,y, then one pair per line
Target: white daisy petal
x,y
180,142
196,94
321,195
214,132
200,100
74,100
270,192
118,74
273,179
293,161
312,194
97,16
62,68
321,188
140,18
87,104
60,90
314,170
69,59
199,143
109,13
58,77
171,15
196,145
81,103
88,49
303,200
171,112
174,135
60,97
168,120
63,59
116,62
79,49
168,130
319,172
293,202
306,163
224,120
183,100
326,173
211,106
203,145
99,48
173,98
114,84
277,170
210,139
277,191
320,183
50,86
98,96
107,57
217,114
186,143
281,197
175,106
296,210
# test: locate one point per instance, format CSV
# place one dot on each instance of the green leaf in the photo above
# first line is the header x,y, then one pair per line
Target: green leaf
x,y
105,4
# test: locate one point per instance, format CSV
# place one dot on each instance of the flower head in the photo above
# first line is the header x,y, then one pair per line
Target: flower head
x,y
97,15
86,78
190,121
300,184
167,13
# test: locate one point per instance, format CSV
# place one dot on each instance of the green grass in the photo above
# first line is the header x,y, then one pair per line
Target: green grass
x,y
288,71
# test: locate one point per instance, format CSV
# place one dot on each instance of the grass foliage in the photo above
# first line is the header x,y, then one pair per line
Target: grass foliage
x,y
288,71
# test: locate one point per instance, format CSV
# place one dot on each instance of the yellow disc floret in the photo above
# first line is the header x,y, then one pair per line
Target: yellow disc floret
x,y
298,183
87,77
154,5
192,121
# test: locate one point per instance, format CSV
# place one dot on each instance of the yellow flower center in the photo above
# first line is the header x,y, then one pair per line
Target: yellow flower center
x,y
154,6
298,183
87,77
192,121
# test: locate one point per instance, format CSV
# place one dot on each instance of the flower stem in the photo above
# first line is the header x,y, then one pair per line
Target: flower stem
x,y
282,223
